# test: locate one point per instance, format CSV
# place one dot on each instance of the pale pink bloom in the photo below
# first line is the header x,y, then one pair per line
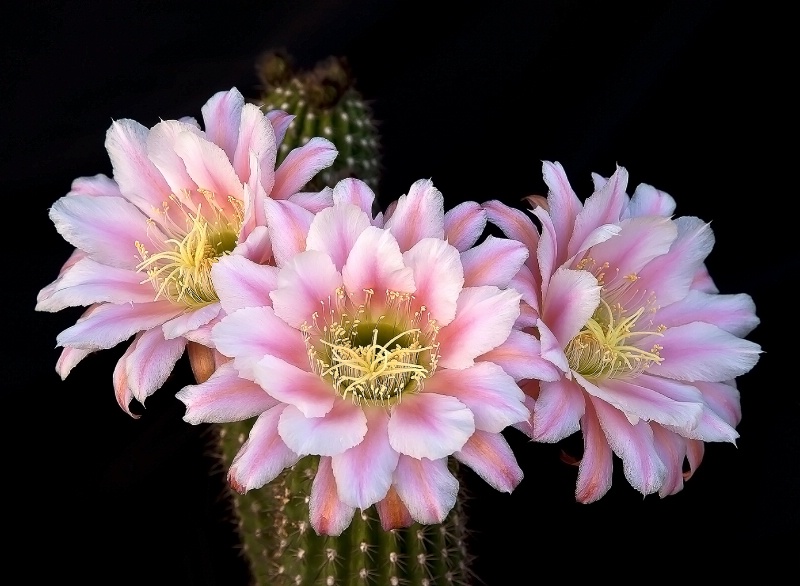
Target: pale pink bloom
x,y
181,198
379,345
642,348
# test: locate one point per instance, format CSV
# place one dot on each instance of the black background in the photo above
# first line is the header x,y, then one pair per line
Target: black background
x,y
695,98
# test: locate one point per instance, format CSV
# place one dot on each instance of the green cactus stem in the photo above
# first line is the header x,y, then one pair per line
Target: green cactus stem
x,y
325,103
283,548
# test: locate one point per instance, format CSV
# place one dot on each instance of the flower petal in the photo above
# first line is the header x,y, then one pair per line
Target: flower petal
x,y
572,298
364,472
649,201
241,283
427,488
335,230
732,313
328,515
418,215
304,390
343,427
520,357
464,224
484,318
305,283
190,320
300,166
356,192
288,226
605,206
106,325
596,467
493,262
429,425
438,277
490,456
263,456
251,333
224,397
392,512
702,352
492,395
557,411
149,361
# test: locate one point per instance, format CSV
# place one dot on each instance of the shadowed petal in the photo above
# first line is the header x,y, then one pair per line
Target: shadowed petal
x,y
427,488
328,515
490,456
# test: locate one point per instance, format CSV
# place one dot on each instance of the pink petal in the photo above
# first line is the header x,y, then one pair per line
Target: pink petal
x,y
637,401
224,397
596,467
161,151
87,282
429,425
493,397
639,241
356,192
464,224
256,137
702,352
209,167
392,512
517,226
289,384
96,185
427,488
68,359
723,399
376,263
251,333
138,179
221,116
563,206
107,228
490,456
671,449
634,444
148,362
438,277
106,325
300,166
288,226
732,313
241,283
520,357
558,410
280,121
418,215
263,456
190,320
335,230
305,284
605,206
328,515
670,276
484,318
256,246
493,262
314,202
364,472
571,300
552,349
343,427
649,201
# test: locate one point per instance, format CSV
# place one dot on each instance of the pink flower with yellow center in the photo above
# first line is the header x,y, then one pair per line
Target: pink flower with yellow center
x,y
642,348
181,199
378,344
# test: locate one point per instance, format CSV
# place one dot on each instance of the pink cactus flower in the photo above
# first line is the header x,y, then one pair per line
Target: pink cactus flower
x,y
181,199
642,348
375,344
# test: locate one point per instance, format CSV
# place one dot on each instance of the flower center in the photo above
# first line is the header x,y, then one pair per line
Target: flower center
x,y
181,270
373,360
605,346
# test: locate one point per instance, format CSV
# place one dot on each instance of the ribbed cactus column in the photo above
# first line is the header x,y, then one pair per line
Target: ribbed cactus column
x,y
326,104
282,548
277,538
